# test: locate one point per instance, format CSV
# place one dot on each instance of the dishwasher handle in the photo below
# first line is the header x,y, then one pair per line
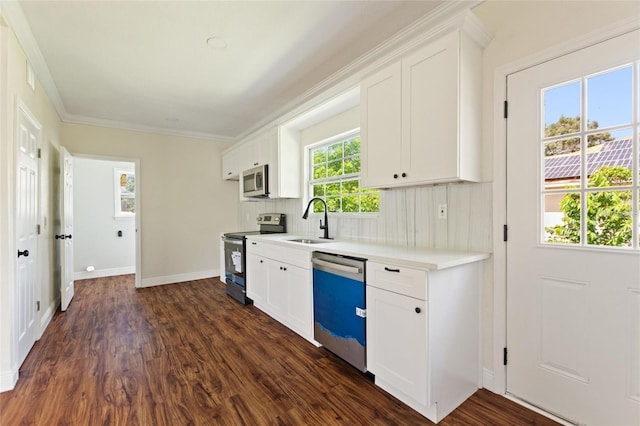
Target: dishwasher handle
x,y
337,266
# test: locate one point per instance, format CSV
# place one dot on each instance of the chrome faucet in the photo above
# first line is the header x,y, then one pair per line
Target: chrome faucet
x,y
324,227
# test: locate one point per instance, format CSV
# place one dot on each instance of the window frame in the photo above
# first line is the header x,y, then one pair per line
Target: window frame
x,y
117,198
581,186
310,182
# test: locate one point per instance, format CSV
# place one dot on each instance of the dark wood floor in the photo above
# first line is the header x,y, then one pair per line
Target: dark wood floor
x,y
188,354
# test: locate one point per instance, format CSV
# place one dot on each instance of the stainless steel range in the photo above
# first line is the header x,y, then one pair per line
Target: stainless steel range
x,y
235,250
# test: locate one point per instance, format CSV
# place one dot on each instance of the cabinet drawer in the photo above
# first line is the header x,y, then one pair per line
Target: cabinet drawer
x,y
398,279
291,256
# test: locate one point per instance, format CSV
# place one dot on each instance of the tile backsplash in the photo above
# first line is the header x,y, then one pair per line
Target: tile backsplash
x,y
408,217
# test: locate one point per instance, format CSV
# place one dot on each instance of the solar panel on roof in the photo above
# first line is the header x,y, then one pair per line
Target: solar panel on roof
x,y
618,152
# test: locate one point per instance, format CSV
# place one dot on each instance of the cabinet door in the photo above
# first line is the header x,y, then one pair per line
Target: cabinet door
x,y
397,342
257,278
232,164
430,102
300,299
277,290
381,148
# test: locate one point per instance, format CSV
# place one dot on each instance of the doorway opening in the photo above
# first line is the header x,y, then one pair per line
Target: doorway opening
x,y
106,217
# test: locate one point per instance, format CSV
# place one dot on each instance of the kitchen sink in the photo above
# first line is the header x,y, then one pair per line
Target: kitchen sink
x,y
308,241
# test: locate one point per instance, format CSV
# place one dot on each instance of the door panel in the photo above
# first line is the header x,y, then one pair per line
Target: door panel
x,y
572,324
28,135
67,280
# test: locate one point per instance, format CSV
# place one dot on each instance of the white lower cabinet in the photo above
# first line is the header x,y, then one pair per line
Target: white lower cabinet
x,y
423,335
397,341
281,288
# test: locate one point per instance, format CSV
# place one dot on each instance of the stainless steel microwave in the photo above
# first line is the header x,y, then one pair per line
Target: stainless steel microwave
x,y
255,181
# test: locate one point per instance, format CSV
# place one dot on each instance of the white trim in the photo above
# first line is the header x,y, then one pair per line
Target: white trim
x,y
13,13
117,195
138,216
123,125
431,25
8,379
174,279
447,17
47,316
500,180
487,379
18,22
538,410
99,273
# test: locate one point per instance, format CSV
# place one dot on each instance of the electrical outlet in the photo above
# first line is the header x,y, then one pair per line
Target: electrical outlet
x,y
442,211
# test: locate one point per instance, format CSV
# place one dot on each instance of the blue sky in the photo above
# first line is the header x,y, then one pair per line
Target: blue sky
x,y
609,100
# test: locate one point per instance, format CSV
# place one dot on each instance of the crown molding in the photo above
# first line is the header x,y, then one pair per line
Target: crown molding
x,y
449,15
446,17
122,125
13,14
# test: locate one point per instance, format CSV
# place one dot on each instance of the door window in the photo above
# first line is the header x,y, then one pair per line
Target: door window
x,y
588,133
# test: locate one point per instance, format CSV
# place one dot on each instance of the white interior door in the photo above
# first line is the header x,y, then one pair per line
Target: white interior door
x,y
573,299
28,136
66,235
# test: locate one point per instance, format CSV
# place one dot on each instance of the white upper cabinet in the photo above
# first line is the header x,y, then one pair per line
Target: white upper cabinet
x,y
280,151
381,126
232,163
421,116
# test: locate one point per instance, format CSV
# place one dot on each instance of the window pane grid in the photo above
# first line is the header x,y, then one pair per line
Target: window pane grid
x,y
335,177
590,161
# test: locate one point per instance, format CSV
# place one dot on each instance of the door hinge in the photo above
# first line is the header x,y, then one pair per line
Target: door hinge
x,y
39,153
38,306
506,109
504,356
38,229
505,232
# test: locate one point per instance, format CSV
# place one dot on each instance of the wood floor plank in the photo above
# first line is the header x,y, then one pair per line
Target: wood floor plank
x,y
189,354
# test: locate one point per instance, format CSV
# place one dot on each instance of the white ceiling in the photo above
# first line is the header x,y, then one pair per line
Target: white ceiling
x,y
146,64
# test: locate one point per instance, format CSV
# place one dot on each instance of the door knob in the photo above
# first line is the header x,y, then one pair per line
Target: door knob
x,y
23,253
60,237
418,310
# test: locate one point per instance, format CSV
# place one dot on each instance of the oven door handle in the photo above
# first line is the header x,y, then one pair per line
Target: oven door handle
x,y
336,266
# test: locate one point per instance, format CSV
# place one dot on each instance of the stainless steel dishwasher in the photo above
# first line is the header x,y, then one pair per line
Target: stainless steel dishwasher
x,y
339,311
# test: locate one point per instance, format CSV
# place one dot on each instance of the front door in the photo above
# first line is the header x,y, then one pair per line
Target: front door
x,y
66,236
28,140
573,255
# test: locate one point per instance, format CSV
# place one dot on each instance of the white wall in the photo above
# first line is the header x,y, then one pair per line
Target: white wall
x,y
184,203
95,226
13,86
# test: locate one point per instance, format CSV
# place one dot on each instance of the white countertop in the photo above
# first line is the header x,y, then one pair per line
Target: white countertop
x,y
413,257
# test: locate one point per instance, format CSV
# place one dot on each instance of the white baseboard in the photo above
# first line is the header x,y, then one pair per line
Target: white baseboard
x,y
47,316
8,379
487,379
548,415
173,279
99,273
